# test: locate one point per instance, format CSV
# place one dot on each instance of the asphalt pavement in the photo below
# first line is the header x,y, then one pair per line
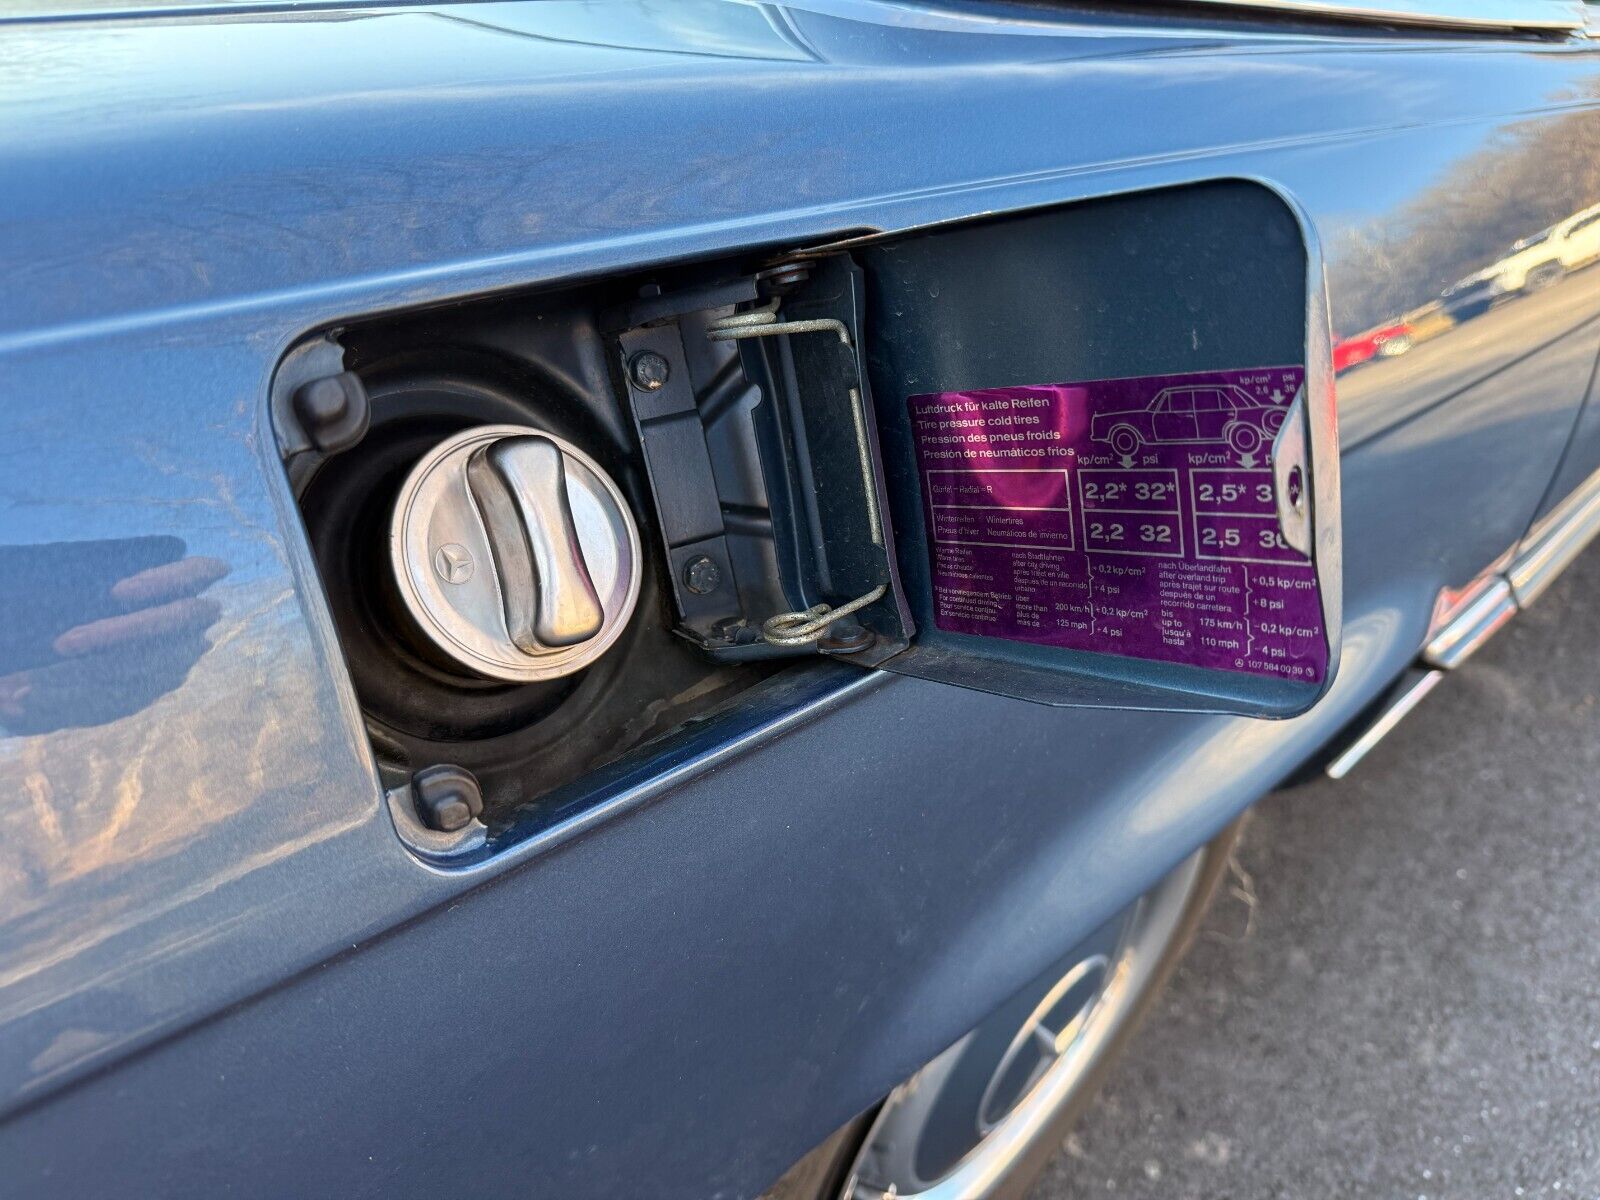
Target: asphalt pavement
x,y
1397,993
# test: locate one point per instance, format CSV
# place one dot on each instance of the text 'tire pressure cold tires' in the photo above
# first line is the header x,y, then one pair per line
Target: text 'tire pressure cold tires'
x,y
982,1119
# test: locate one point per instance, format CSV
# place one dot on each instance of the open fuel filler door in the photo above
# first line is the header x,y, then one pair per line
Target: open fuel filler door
x,y
1083,455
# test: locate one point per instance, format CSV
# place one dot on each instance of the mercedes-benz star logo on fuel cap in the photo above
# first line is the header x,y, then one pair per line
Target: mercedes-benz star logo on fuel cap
x,y
453,562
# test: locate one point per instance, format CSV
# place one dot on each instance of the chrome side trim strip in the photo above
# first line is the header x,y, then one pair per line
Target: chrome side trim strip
x,y
1407,699
1472,617
1471,626
1556,541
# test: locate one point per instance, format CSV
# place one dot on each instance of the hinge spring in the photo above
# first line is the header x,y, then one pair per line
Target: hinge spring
x,y
803,628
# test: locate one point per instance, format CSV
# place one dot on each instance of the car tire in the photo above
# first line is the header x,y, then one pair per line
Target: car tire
x,y
1125,440
1011,1152
1244,439
1543,276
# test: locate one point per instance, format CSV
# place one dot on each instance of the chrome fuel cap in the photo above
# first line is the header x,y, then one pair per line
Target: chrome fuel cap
x,y
515,553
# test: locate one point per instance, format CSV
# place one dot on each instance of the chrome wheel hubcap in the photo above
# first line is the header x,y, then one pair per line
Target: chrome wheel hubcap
x,y
958,1126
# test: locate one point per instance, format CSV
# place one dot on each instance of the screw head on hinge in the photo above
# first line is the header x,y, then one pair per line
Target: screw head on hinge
x,y
846,636
447,797
649,371
701,575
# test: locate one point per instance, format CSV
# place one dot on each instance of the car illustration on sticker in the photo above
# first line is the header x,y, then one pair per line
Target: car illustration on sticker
x,y
1192,413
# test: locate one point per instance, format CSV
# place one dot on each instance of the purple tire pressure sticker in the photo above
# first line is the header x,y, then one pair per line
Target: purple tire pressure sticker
x,y
1125,516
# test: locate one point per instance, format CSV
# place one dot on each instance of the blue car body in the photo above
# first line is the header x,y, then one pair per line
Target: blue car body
x,y
220,970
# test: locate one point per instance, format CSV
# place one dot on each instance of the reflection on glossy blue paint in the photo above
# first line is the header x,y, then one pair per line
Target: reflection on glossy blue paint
x,y
93,631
